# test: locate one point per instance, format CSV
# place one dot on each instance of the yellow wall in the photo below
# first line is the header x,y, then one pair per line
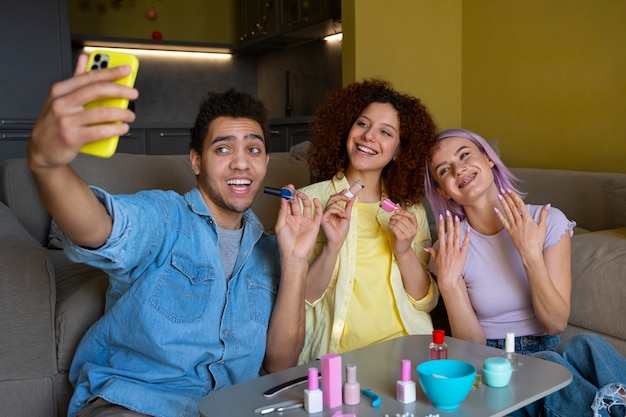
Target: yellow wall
x,y
206,21
547,78
399,40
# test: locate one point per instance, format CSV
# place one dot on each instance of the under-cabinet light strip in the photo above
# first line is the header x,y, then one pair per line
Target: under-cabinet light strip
x,y
336,37
160,53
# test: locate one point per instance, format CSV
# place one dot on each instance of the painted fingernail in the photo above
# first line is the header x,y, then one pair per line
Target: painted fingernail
x,y
456,219
440,216
447,213
500,197
548,206
496,210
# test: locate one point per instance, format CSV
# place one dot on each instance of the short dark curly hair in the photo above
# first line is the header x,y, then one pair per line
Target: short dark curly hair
x,y
403,177
230,103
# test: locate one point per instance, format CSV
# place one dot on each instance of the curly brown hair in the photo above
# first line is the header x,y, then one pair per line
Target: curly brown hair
x,y
403,177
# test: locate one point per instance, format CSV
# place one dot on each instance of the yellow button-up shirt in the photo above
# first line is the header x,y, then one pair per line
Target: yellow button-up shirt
x,y
325,317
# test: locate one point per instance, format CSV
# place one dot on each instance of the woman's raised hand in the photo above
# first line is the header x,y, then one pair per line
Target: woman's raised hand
x,y
450,257
336,219
527,235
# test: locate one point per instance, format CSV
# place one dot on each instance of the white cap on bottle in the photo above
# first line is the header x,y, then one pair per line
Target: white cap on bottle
x,y
509,342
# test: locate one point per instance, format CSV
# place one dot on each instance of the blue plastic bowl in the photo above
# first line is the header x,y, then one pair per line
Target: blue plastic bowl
x,y
446,382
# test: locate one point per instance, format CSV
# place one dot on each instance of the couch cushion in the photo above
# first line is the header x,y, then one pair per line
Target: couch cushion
x,y
594,200
27,295
599,281
81,292
19,192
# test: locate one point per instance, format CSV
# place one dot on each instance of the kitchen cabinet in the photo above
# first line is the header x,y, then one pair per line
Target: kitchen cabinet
x,y
132,142
258,20
36,53
14,136
275,24
287,132
168,141
299,13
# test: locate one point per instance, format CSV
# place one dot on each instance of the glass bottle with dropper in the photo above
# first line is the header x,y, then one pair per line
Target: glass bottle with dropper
x,y
438,348
509,350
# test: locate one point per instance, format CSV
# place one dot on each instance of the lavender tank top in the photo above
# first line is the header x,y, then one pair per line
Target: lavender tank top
x,y
496,281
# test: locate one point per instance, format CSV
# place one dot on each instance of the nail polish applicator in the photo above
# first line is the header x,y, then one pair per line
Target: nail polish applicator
x,y
285,193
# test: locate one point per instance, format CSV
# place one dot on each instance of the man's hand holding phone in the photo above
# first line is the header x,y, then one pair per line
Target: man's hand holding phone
x,y
64,125
102,59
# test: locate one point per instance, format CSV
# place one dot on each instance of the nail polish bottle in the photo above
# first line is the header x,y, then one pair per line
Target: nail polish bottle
x,y
405,387
351,388
388,205
438,348
313,402
354,189
509,350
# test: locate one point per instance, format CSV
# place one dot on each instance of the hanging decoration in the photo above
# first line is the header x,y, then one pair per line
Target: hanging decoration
x,y
151,14
261,24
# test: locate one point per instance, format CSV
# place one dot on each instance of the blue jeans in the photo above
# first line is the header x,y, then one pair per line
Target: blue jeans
x,y
594,364
526,345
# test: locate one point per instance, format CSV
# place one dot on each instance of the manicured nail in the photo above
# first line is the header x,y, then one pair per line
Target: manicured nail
x,y
548,206
440,216
447,213
456,219
500,197
496,210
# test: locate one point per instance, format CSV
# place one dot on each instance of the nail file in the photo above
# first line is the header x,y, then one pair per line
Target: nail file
x,y
285,386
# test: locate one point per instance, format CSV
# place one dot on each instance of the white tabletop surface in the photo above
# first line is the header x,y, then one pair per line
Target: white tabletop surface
x,y
378,369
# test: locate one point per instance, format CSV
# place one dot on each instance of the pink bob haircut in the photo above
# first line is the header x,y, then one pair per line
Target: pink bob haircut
x,y
503,177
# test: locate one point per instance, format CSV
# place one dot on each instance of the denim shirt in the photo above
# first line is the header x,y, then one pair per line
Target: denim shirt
x,y
174,328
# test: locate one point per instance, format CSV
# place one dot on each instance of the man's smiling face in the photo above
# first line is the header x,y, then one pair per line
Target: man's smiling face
x,y
231,168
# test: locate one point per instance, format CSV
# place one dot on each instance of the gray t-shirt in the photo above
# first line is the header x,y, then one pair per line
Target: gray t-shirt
x,y
228,242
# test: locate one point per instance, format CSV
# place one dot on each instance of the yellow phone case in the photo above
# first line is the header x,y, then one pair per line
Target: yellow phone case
x,y
100,59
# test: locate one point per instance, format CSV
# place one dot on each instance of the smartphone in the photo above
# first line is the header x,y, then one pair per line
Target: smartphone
x,y
100,59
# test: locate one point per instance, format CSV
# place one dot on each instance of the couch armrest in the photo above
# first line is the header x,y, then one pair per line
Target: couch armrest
x,y
27,300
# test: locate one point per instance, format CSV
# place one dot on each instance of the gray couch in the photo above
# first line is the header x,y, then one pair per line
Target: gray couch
x,y
47,302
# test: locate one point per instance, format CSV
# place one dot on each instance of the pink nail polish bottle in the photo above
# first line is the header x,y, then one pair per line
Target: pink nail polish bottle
x,y
313,402
405,387
351,388
387,205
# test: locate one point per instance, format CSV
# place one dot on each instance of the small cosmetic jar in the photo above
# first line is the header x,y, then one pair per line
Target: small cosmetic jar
x,y
497,372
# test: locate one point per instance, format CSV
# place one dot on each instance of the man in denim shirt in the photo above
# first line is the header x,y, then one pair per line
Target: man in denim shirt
x,y
198,298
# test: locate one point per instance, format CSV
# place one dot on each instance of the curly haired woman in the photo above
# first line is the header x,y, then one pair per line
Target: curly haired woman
x,y
367,279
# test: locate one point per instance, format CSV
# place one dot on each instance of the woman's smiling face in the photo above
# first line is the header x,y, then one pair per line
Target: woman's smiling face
x,y
460,169
374,138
